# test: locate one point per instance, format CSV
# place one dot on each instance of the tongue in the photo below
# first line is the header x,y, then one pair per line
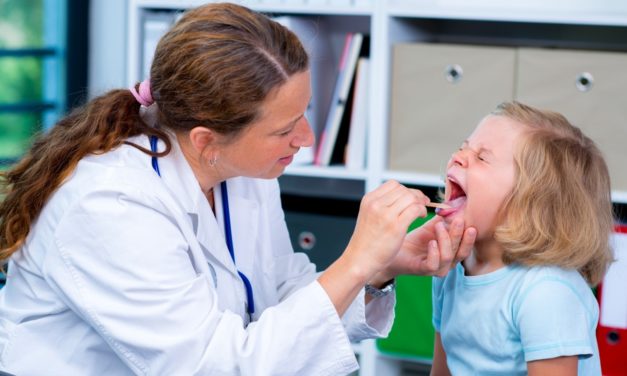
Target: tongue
x,y
459,201
454,204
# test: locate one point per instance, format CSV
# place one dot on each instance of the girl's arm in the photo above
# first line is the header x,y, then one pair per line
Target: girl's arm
x,y
439,367
562,366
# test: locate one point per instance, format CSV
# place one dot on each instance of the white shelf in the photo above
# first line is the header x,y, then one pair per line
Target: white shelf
x,y
514,16
579,12
336,172
415,178
314,9
166,4
619,197
344,8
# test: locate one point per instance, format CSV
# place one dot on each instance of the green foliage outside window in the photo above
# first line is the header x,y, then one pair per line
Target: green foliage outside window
x,y
21,77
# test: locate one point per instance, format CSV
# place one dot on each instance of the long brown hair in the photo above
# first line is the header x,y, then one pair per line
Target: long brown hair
x,y
214,68
560,210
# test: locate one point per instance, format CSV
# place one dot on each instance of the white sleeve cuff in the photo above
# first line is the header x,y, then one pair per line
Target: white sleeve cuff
x,y
369,321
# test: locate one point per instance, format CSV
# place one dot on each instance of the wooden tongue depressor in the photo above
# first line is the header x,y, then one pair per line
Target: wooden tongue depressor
x,y
438,205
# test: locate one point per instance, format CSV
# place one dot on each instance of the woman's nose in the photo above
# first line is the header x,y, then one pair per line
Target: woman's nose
x,y
304,136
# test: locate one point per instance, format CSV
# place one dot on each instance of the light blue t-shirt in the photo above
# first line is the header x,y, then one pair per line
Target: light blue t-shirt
x,y
493,324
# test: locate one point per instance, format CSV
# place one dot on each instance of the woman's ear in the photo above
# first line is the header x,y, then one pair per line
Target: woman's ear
x,y
200,138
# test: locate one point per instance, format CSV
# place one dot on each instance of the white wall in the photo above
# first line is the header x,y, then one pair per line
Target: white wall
x,y
107,45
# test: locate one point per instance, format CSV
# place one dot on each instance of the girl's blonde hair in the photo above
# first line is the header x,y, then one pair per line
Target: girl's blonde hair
x,y
560,210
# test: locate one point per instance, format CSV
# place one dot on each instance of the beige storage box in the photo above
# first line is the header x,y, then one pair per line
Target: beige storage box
x,y
589,88
439,94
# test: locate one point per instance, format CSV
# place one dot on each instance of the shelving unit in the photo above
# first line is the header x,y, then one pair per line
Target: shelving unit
x,y
396,21
579,24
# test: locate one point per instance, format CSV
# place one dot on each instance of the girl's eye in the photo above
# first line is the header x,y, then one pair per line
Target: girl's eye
x,y
481,158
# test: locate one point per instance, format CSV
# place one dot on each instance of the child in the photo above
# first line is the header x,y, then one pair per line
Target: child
x,y
538,192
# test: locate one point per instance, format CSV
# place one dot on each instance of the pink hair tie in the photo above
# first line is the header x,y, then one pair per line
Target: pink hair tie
x,y
144,97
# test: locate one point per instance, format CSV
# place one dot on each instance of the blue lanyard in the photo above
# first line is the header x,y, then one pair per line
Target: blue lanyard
x,y
153,148
250,308
229,244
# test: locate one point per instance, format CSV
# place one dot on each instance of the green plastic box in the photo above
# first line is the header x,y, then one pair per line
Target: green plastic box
x,y
412,333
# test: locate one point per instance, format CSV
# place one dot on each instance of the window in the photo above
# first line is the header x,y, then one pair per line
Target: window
x,y
32,67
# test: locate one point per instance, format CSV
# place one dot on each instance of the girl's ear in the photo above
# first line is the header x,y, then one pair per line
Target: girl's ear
x,y
201,138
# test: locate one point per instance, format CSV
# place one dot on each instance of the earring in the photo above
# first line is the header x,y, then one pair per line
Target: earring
x,y
213,161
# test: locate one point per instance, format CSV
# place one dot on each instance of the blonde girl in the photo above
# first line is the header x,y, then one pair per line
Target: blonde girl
x,y
538,192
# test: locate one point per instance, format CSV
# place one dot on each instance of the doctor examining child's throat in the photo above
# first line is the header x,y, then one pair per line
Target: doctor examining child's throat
x,y
144,232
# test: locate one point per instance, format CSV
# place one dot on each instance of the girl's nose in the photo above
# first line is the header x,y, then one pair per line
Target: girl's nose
x,y
460,157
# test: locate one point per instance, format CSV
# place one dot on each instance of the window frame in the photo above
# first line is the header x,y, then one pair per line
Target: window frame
x,y
64,58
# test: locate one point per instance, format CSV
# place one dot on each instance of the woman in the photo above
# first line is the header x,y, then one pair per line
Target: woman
x,y
156,243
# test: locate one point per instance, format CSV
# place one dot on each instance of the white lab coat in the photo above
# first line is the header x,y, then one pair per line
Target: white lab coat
x,y
126,272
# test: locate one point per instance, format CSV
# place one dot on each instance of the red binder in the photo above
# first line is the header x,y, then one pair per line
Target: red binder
x,y
613,340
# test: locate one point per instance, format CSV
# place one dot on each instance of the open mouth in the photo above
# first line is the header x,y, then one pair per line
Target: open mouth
x,y
456,199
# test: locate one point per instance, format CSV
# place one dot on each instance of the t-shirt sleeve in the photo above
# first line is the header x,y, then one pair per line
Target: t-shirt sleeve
x,y
555,319
437,285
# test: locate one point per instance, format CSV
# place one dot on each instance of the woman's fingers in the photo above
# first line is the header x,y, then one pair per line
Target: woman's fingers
x,y
399,206
432,262
453,238
409,207
430,224
389,192
384,216
444,245
465,246
384,189
453,245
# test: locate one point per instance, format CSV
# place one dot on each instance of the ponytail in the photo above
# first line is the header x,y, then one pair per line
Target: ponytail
x,y
95,128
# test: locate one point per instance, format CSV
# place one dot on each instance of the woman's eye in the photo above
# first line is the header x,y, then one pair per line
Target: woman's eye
x,y
285,133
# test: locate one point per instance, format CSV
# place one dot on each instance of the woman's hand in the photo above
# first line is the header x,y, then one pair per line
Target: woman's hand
x,y
384,216
430,250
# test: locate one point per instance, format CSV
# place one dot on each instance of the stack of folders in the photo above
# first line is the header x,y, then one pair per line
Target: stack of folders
x,y
343,138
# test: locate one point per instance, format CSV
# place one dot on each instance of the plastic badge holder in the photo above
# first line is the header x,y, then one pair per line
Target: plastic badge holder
x,y
412,333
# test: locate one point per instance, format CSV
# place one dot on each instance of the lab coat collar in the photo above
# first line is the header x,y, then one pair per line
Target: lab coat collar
x,y
181,181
